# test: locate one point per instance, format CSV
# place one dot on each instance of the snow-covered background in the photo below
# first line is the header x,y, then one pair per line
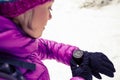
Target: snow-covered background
x,y
93,28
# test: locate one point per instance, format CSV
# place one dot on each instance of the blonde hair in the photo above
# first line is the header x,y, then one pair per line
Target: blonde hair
x,y
25,19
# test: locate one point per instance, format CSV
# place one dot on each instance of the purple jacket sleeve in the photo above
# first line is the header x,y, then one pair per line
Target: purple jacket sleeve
x,y
59,51
17,43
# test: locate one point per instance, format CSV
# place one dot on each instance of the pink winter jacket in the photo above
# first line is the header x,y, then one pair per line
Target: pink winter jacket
x,y
18,44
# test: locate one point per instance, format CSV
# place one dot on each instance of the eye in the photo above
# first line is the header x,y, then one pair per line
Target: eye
x,y
50,8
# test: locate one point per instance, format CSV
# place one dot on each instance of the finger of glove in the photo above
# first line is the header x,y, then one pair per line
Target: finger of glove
x,y
103,60
109,66
106,62
96,74
106,71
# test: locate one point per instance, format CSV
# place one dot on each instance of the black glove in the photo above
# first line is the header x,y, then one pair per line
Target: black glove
x,y
99,63
81,70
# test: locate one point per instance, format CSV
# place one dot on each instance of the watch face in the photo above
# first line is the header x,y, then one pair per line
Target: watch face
x,y
78,54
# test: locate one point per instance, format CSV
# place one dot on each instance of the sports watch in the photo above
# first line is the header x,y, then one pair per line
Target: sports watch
x,y
78,57
78,54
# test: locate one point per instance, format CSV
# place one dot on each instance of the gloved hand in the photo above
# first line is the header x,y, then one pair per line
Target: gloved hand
x,y
81,70
99,63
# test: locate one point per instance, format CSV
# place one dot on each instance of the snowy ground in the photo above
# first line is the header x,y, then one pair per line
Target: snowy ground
x,y
90,29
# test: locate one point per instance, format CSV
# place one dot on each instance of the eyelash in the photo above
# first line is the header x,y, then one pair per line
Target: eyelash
x,y
50,8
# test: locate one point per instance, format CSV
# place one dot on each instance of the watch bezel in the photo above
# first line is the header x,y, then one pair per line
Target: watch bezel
x,y
77,53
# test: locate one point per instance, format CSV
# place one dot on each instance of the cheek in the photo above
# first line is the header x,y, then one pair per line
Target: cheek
x,y
37,18
42,17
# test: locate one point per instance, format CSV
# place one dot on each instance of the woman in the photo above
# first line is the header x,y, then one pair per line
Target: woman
x,y
21,25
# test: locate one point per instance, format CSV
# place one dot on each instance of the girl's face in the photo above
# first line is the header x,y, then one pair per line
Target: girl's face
x,y
33,21
41,16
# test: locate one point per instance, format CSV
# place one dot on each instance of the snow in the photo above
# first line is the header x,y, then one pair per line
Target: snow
x,y
90,29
